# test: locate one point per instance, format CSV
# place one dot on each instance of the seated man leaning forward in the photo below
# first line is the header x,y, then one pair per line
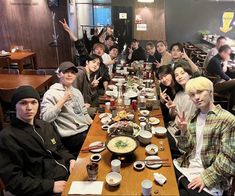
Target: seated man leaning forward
x,y
63,105
33,160
209,143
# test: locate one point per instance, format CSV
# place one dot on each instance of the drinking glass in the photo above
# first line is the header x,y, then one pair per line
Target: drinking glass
x,y
92,171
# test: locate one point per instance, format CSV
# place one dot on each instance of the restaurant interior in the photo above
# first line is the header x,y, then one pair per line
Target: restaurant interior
x,y
135,138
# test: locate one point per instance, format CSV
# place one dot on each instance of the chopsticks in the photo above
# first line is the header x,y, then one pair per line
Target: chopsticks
x,y
101,145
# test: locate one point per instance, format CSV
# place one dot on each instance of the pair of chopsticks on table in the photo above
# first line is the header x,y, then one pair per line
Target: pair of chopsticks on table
x,y
164,162
98,146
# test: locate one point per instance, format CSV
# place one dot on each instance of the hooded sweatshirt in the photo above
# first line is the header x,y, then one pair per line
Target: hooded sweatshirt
x,y
72,118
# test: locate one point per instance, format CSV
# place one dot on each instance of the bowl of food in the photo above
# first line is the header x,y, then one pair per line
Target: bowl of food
x,y
105,120
144,112
139,165
121,144
159,131
145,137
151,149
113,178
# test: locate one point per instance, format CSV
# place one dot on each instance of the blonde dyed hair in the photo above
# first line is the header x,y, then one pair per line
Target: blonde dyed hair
x,y
199,83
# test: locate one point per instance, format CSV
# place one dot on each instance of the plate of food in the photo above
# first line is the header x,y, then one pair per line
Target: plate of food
x,y
124,128
103,115
154,121
153,161
121,115
122,144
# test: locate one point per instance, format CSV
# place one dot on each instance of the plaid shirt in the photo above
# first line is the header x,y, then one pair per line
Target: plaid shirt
x,y
218,150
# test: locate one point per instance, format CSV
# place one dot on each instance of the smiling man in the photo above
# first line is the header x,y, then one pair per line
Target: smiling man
x,y
63,105
209,142
33,160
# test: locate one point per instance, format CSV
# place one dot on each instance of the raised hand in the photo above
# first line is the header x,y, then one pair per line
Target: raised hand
x,y
163,95
169,103
68,95
181,122
184,55
65,25
196,183
59,186
95,82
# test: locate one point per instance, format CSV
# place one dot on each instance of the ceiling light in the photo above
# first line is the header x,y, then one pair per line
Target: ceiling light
x,y
145,1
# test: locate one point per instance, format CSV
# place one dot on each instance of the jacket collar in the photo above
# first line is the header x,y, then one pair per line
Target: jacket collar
x,y
16,122
214,111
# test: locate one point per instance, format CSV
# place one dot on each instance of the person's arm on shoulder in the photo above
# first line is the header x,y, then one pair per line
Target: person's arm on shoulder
x,y
224,164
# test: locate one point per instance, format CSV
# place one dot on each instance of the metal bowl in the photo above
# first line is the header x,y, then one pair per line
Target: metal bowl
x,y
122,145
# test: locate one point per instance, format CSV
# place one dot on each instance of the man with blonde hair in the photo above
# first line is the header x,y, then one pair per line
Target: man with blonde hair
x,y
209,142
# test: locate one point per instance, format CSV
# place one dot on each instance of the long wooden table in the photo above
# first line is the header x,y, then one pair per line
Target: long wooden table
x,y
11,81
131,179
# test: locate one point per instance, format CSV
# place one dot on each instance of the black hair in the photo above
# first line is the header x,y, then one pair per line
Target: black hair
x,y
151,44
134,40
164,70
112,47
220,37
93,57
186,67
180,46
161,41
224,48
110,36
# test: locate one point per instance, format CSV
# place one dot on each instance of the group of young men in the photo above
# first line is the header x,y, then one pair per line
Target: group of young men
x,y
37,156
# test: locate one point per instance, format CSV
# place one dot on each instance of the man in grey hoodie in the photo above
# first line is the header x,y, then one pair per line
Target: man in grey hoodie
x,y
63,105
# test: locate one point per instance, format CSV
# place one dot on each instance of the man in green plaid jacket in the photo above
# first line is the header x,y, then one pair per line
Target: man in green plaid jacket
x,y
209,142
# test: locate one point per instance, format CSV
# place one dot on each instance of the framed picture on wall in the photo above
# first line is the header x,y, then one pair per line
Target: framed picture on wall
x,y
53,3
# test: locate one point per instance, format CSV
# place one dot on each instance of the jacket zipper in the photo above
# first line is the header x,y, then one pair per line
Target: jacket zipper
x,y
49,150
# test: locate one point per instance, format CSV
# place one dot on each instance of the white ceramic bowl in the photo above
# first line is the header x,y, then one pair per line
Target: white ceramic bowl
x,y
145,137
139,165
95,157
105,120
159,131
151,149
144,112
113,178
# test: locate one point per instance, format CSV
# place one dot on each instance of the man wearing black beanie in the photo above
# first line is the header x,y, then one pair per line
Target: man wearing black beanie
x,y
33,160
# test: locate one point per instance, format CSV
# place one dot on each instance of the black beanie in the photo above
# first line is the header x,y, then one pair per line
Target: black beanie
x,y
24,92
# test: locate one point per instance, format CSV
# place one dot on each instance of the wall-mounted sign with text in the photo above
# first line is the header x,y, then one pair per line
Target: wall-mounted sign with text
x,y
122,15
227,19
141,27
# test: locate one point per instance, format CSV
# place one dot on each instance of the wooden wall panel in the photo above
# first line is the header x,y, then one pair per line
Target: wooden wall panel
x,y
152,14
31,26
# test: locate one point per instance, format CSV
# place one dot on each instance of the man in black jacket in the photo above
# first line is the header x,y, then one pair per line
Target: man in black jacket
x,y
215,68
33,160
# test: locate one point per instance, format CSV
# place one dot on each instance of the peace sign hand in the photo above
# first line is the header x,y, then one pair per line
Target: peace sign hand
x,y
181,122
184,55
65,25
95,82
169,103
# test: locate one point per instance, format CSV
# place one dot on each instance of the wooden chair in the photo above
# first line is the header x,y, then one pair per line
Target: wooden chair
x,y
5,99
223,98
10,71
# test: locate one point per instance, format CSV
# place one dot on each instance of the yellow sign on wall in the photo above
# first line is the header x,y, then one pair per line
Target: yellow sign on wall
x,y
227,18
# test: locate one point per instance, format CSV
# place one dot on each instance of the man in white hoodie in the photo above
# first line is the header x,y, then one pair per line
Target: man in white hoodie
x,y
63,105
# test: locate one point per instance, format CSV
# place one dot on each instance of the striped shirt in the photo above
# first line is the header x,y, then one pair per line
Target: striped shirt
x,y
218,149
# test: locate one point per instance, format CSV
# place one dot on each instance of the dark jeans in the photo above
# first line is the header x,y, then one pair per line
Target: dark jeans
x,y
74,143
183,186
